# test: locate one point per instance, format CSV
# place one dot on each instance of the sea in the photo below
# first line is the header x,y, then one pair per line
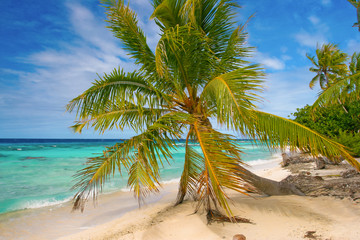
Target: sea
x,y
35,173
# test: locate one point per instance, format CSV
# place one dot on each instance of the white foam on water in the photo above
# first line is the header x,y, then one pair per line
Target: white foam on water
x,y
43,203
175,180
275,158
126,189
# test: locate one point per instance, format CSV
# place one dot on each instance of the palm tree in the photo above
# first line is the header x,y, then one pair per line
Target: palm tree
x,y
347,88
329,65
198,72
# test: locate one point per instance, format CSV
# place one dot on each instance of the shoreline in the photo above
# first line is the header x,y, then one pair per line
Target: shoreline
x,y
38,223
276,217
31,223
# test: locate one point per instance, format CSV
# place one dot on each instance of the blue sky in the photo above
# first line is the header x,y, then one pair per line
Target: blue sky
x,y
51,52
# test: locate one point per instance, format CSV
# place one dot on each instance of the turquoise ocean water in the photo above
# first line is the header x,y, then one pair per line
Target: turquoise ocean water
x,y
37,173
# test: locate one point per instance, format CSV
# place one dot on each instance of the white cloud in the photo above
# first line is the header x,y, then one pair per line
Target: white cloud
x,y
63,73
273,63
287,91
310,40
269,62
314,35
92,30
69,70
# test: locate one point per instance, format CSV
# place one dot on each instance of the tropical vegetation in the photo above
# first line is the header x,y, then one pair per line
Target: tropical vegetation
x,y
332,121
336,112
198,74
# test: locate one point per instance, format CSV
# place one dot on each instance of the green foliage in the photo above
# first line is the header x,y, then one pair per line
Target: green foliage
x,y
350,140
331,120
334,122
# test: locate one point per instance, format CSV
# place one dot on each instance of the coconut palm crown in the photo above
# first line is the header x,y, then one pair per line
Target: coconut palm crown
x,y
346,86
330,64
197,72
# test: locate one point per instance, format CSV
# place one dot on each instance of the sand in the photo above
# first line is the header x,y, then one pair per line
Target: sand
x,y
277,217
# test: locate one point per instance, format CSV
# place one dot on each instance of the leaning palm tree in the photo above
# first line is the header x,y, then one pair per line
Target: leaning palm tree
x,y
329,65
197,72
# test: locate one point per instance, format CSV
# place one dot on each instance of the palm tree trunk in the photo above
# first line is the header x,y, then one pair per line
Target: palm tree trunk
x,y
265,185
268,186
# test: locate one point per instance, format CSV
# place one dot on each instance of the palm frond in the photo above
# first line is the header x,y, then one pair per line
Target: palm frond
x,y
221,162
216,18
193,166
146,150
142,178
353,2
217,22
232,96
314,81
168,13
124,25
183,53
278,132
312,59
131,116
332,94
113,95
233,56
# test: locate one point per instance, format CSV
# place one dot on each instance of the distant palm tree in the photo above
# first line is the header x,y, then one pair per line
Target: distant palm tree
x,y
330,64
198,72
346,89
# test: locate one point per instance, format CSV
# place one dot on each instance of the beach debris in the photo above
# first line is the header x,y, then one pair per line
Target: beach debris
x,y
301,157
216,216
335,186
310,234
319,178
320,163
239,237
286,160
295,158
350,173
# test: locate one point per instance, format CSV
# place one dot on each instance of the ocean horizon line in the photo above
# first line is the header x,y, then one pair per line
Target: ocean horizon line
x,y
42,140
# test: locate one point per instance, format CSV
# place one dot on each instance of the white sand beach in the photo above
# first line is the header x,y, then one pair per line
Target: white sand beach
x,y
117,216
